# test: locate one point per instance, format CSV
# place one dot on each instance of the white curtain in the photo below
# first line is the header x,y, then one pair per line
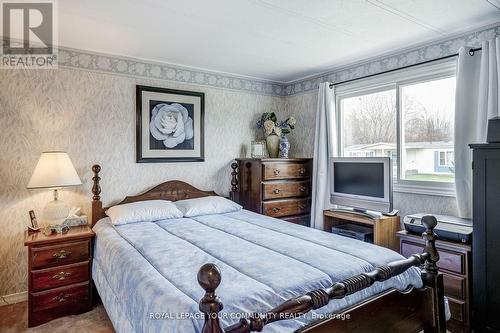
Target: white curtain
x,y
476,101
325,146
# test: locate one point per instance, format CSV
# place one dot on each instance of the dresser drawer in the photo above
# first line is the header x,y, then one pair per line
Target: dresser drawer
x,y
60,254
457,309
449,261
279,208
454,286
60,297
278,190
285,171
60,276
299,219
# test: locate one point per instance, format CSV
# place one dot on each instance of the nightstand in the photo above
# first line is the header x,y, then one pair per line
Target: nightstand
x,y
455,264
59,274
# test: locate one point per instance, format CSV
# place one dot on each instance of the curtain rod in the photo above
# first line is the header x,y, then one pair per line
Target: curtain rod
x,y
471,52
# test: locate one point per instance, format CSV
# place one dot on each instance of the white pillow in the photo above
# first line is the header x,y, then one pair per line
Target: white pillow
x,y
206,206
143,211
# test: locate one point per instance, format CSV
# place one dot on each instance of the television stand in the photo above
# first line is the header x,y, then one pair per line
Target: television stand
x,y
366,213
384,227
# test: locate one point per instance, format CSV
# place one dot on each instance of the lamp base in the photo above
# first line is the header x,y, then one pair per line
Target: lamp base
x,y
56,211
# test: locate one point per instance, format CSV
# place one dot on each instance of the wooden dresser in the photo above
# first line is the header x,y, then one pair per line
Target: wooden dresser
x,y
59,274
455,264
276,187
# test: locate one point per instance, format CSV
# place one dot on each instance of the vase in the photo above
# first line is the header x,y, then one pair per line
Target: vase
x,y
272,144
284,146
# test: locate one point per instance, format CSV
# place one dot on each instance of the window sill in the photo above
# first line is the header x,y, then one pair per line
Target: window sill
x,y
442,191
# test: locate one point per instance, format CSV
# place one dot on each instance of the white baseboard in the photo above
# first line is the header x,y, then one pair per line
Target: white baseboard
x,y
14,298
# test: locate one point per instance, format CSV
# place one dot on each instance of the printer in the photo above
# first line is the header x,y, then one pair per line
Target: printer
x,y
449,228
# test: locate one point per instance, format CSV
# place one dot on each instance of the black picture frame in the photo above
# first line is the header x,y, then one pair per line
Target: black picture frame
x,y
139,125
34,223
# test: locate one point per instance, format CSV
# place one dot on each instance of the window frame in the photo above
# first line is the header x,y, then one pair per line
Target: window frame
x,y
396,81
447,160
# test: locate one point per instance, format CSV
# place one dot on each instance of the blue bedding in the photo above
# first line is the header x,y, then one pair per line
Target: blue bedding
x,y
146,272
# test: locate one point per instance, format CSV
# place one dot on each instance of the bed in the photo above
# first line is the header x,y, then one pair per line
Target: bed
x,y
272,276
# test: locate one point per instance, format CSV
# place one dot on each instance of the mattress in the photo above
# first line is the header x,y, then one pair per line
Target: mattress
x,y
146,272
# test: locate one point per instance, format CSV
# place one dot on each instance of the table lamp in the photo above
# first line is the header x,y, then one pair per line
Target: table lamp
x,y
54,170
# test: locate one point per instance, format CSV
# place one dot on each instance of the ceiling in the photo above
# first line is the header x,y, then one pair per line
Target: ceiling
x,y
277,40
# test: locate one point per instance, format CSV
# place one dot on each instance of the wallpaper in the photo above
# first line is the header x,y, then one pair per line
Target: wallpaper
x,y
92,117
155,70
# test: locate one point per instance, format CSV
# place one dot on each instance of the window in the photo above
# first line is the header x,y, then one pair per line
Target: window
x,y
409,116
446,159
427,110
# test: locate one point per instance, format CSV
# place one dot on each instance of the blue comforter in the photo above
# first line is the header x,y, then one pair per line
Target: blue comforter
x,y
146,272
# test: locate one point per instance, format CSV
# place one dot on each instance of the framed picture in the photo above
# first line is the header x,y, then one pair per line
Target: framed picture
x,y
169,125
258,149
34,223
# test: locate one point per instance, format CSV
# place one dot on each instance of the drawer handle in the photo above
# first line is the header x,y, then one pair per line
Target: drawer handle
x,y
276,172
276,209
302,170
302,206
302,189
276,191
61,276
63,254
61,298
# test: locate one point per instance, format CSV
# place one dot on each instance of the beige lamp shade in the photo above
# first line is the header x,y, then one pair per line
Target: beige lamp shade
x,y
54,169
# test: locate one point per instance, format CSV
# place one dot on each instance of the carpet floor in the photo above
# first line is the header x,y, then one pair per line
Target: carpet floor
x,y
14,319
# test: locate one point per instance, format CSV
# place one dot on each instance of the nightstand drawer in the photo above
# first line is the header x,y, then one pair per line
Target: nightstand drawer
x,y
454,286
278,208
457,309
285,171
448,261
278,190
59,254
60,297
60,276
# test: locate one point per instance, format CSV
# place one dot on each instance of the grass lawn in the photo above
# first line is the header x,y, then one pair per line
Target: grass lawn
x,y
431,177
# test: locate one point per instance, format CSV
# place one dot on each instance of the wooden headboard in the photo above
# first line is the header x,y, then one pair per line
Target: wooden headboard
x,y
172,190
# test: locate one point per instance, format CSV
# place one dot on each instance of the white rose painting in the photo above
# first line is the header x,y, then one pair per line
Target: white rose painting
x,y
169,125
172,125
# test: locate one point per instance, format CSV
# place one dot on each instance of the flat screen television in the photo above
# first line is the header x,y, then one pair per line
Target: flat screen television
x,y
362,183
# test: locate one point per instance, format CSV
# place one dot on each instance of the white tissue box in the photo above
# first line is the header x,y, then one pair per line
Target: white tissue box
x,y
75,221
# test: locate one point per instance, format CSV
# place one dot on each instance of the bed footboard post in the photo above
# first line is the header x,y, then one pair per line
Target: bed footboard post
x,y
432,277
234,194
96,191
209,278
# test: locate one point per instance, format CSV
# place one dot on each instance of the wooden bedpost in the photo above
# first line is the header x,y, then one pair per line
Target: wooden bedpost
x,y
431,276
209,278
96,191
234,194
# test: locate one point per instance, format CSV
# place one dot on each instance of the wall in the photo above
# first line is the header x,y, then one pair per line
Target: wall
x,y
91,115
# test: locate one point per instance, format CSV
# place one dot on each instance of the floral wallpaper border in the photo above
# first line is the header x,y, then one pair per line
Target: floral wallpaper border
x,y
153,70
433,50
